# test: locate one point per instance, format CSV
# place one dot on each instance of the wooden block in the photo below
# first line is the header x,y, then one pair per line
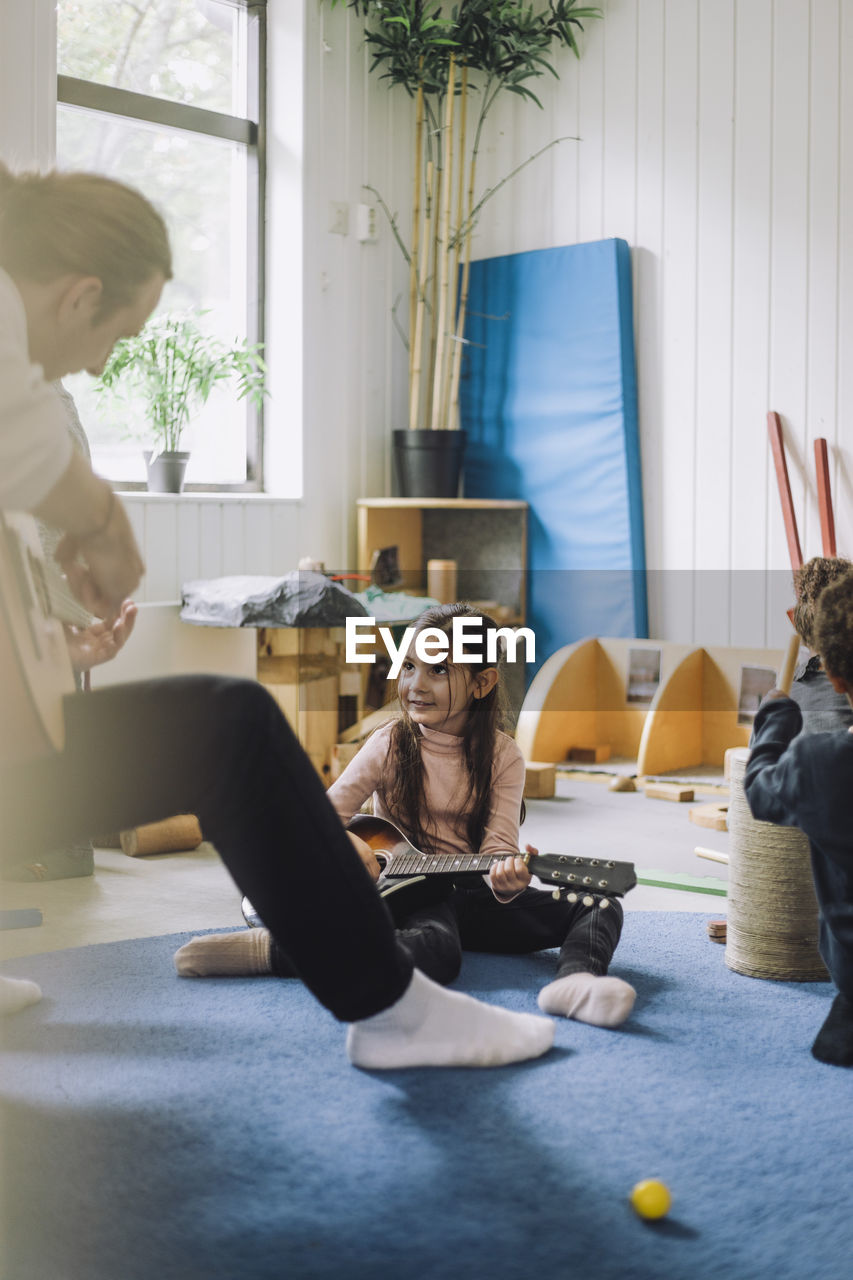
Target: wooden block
x,y
300,641
590,755
668,791
714,816
717,930
540,780
318,722
713,855
622,784
311,709
173,835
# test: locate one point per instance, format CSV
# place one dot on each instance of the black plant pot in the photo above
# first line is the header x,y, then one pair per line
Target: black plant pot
x,y
428,463
165,471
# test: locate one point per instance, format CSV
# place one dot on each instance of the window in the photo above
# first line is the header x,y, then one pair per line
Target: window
x,y
168,95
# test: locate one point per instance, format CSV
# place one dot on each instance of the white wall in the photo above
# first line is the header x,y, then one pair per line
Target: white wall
x,y
717,139
27,83
162,645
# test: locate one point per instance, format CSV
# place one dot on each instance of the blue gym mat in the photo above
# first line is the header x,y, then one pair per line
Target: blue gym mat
x,y
549,403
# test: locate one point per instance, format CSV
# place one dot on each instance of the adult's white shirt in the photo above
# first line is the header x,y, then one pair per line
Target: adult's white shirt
x,y
35,447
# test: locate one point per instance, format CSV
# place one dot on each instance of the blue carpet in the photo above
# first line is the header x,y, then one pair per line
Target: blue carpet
x,y
190,1130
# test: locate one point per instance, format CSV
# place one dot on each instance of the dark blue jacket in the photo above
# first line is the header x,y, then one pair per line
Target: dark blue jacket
x,y
806,781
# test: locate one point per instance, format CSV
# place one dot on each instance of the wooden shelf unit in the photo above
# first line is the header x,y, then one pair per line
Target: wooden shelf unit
x,y
487,539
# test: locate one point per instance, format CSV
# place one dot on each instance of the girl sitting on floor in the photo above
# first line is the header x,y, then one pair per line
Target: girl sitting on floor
x,y
446,774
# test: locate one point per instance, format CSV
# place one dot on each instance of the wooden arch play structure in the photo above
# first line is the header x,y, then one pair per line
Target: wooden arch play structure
x,y
666,706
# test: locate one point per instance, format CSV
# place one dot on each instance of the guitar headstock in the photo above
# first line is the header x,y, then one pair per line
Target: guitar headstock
x,y
599,877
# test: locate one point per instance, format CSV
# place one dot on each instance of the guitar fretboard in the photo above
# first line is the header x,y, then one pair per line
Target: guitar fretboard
x,y
419,864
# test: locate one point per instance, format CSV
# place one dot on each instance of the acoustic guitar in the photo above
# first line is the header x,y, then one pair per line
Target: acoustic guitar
x,y
410,878
35,669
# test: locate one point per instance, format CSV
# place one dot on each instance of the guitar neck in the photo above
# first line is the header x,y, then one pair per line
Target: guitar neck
x,y
400,859
442,864
586,875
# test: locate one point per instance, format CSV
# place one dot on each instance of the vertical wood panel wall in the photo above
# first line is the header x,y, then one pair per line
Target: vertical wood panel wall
x,y
717,139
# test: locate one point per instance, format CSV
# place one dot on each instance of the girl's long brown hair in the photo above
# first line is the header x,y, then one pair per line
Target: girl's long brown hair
x,y
402,784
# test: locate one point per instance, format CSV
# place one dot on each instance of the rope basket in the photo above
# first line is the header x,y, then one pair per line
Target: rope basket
x,y
772,910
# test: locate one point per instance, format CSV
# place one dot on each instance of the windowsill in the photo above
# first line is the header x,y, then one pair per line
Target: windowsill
x,y
211,495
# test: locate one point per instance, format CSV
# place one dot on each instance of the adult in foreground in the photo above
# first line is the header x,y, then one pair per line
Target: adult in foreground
x,y
83,261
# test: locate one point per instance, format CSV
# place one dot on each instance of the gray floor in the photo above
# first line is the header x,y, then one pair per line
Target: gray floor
x,y
587,818
170,893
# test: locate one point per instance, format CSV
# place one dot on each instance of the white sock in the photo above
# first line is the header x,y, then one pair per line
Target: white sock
x,y
603,1002
225,955
16,994
430,1026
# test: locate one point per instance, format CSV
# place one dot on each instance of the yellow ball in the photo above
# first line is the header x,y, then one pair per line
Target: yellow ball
x,y
651,1199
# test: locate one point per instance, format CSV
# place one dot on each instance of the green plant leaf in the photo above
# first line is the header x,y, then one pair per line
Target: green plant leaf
x,y
173,365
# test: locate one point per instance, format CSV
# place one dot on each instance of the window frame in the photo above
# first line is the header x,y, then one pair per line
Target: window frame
x,y
250,131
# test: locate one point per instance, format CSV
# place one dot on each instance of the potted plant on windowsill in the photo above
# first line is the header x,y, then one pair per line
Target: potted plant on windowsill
x,y
172,365
454,61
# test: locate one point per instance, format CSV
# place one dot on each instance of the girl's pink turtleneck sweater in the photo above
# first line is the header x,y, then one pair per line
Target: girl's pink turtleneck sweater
x,y
446,788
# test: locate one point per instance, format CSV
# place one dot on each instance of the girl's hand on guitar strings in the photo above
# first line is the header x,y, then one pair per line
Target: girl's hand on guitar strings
x,y
510,876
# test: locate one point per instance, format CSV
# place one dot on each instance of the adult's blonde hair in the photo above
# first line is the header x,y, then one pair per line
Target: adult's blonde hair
x,y
58,224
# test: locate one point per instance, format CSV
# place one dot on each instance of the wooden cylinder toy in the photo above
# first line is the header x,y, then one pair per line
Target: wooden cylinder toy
x,y
772,909
441,580
173,835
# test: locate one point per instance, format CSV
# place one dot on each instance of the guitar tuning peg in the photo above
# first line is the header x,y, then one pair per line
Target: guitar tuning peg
x,y
571,897
556,895
588,900
604,904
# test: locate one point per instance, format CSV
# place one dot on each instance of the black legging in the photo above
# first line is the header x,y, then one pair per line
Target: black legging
x,y
220,748
472,919
586,935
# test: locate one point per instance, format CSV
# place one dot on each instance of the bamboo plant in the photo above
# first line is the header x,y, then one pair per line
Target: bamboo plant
x,y
172,365
454,61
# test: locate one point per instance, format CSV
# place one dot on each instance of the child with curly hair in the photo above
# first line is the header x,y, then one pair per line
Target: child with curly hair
x,y
805,780
822,706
